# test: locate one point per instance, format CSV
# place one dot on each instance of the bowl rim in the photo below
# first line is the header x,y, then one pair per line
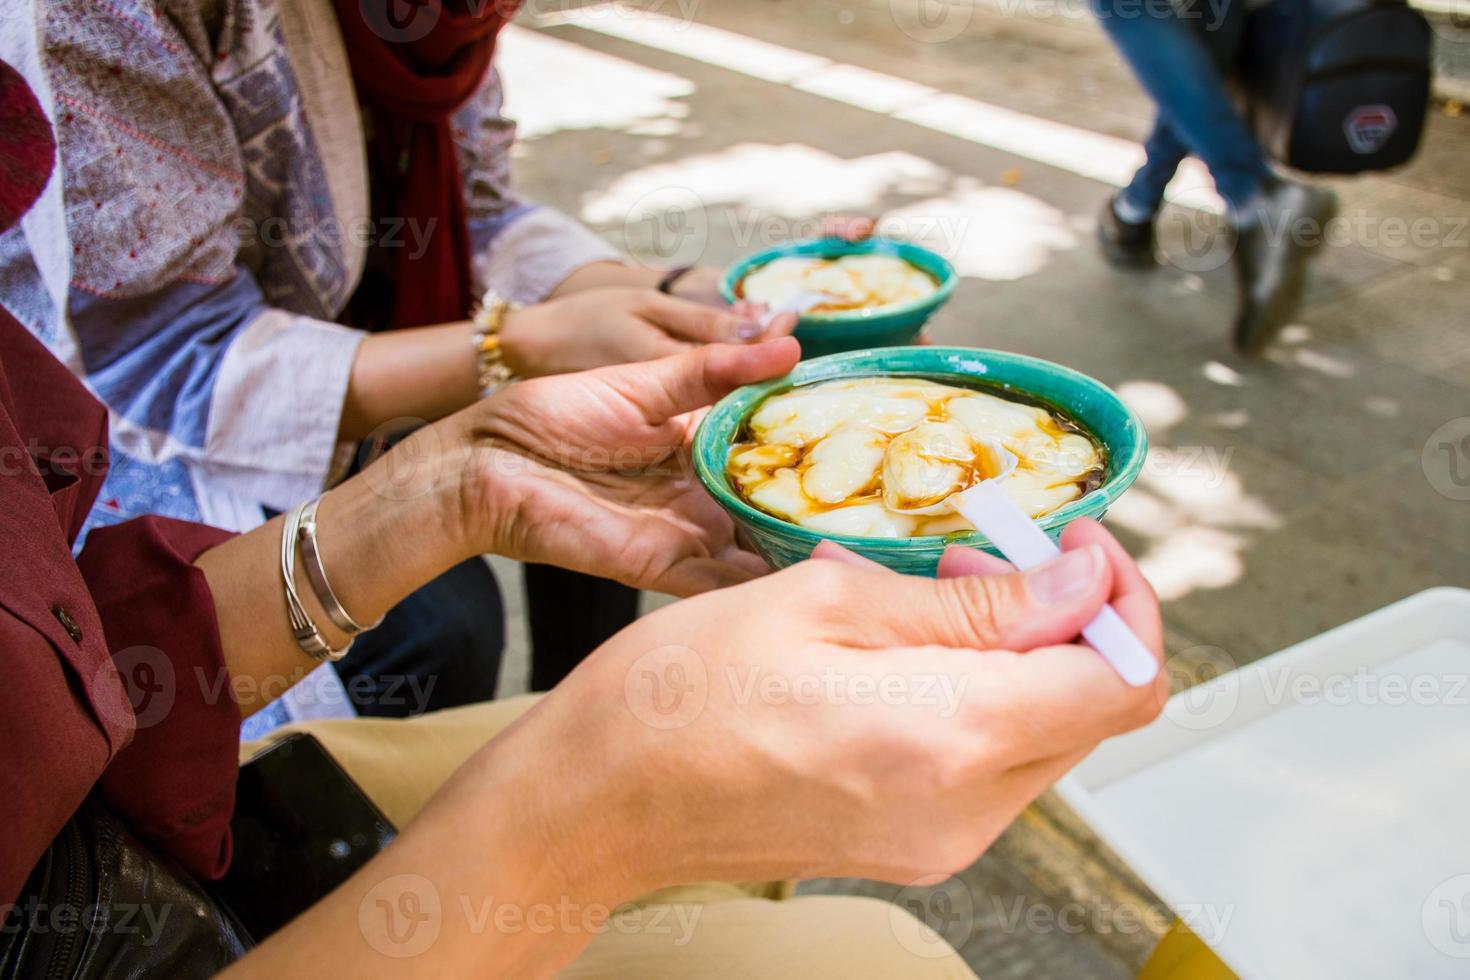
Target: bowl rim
x,y
839,247
716,484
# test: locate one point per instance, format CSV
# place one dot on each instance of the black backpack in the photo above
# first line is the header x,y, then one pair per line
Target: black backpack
x,y
1337,86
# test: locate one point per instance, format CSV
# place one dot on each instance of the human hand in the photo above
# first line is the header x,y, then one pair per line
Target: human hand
x,y
590,471
701,284
837,718
714,761
853,228
598,327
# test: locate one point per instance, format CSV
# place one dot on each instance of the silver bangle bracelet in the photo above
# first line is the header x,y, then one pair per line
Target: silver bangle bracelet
x,y
303,630
316,574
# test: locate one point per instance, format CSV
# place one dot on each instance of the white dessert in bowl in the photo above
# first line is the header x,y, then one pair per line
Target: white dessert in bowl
x,y
855,282
876,293
1076,404
856,457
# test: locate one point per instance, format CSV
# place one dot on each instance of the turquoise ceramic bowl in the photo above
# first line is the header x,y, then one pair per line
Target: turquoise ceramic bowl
x,y
832,333
1084,399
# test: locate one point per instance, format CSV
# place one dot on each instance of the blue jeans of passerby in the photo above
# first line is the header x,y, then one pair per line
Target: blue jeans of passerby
x,y
1181,54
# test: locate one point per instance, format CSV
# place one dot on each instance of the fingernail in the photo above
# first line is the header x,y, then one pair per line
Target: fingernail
x,y
749,329
1066,578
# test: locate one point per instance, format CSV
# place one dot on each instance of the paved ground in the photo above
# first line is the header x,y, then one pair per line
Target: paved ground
x,y
1283,497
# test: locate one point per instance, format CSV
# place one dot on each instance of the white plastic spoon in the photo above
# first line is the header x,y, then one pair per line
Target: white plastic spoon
x,y
1026,546
797,304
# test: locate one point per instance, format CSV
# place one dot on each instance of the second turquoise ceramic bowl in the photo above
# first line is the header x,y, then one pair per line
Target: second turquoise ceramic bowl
x,y
1081,398
832,333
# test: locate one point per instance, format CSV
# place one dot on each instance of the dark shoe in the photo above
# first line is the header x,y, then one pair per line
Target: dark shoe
x,y
1124,244
1271,253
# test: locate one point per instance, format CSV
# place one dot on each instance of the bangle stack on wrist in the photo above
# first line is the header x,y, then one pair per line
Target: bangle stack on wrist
x,y
300,531
493,371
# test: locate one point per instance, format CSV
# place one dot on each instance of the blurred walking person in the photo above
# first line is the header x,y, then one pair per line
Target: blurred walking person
x,y
1182,54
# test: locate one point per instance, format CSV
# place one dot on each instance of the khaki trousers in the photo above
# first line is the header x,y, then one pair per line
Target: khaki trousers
x,y
710,931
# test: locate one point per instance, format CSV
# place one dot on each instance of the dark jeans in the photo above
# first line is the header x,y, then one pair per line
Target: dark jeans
x,y
438,648
1181,55
441,647
570,615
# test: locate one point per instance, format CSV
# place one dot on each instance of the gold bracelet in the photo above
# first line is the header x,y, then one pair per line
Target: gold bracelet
x,y
490,356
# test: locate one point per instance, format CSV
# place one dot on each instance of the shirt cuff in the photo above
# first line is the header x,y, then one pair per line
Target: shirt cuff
x,y
277,406
529,256
174,783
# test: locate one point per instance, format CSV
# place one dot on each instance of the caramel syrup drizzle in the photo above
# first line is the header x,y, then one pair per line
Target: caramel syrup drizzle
x,y
869,301
1055,425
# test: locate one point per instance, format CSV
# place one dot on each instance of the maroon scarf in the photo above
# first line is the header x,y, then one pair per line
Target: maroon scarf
x,y
416,62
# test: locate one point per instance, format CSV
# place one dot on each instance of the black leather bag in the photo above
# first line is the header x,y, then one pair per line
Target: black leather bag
x,y
1337,86
101,904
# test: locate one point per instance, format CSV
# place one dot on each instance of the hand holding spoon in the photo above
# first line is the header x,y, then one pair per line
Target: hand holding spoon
x,y
1026,545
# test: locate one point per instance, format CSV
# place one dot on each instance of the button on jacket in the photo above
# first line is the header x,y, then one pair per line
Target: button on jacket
x,y
111,675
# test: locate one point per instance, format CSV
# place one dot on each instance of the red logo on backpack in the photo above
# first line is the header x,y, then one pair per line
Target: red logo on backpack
x,y
1369,128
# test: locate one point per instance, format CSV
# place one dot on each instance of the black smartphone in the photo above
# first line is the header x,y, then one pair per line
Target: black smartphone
x,y
301,828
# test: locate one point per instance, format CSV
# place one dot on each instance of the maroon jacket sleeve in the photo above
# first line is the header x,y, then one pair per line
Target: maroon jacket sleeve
x,y
174,784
